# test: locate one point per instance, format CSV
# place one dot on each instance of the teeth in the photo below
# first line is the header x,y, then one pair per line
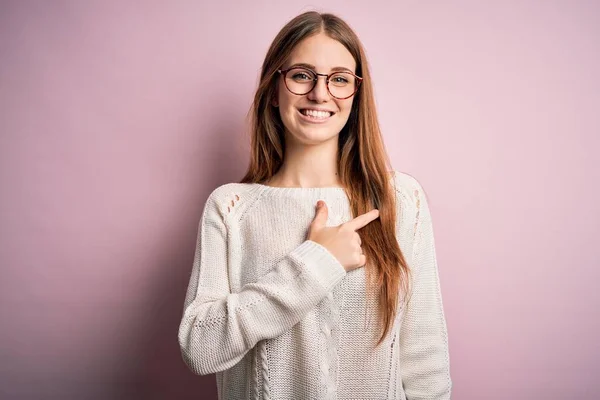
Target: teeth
x,y
316,114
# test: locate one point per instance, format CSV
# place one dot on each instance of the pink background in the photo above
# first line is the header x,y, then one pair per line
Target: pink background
x,y
117,119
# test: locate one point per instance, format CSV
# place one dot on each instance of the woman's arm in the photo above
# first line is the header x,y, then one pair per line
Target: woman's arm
x,y
219,327
424,356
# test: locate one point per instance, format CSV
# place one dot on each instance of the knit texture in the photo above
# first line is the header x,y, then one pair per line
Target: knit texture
x,y
276,316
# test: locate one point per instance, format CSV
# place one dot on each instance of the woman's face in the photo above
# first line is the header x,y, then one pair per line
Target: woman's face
x,y
324,55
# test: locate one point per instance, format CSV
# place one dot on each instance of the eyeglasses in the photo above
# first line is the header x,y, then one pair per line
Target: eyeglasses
x,y
300,80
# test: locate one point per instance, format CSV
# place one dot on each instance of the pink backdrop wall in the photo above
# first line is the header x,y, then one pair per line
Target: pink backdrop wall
x,y
117,119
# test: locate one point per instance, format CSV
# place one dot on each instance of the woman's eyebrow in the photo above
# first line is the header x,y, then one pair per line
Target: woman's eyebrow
x,y
305,65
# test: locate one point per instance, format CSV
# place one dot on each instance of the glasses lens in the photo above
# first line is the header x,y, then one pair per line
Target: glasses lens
x,y
300,80
342,84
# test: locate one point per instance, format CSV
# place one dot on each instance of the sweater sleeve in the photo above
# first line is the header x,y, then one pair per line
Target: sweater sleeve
x,y
219,327
424,354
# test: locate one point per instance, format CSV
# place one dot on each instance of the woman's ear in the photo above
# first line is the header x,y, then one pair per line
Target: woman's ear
x,y
274,102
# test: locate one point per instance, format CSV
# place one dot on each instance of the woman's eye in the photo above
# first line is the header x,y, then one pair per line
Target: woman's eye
x,y
301,76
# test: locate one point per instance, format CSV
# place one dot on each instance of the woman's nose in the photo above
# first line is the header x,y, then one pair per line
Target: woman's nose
x,y
319,93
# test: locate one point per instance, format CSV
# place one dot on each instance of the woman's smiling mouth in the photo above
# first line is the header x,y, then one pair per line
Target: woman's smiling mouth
x,y
315,116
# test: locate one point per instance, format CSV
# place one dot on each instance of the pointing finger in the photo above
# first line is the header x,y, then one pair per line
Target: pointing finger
x,y
363,220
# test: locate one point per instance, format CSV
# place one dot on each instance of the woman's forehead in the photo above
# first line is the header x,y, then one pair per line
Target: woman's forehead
x,y
323,53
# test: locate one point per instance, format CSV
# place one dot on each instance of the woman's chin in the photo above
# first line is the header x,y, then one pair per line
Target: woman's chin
x,y
314,135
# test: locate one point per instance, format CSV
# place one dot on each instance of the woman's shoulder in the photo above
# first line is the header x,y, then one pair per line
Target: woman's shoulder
x,y
405,183
229,197
410,194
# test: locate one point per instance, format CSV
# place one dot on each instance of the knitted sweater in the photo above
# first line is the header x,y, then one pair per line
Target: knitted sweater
x,y
276,316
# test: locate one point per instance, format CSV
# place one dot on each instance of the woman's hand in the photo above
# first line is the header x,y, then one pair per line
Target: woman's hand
x,y
342,241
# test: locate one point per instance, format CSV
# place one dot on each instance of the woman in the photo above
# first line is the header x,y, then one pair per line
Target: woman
x,y
285,302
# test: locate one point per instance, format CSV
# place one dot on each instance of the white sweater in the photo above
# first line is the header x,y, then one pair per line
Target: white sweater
x,y
276,316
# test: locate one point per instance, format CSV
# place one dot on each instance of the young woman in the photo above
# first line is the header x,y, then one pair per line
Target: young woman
x,y
341,302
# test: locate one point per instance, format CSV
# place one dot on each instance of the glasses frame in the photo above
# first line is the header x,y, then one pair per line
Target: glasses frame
x,y
284,72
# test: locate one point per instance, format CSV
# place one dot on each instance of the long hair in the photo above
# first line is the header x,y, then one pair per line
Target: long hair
x,y
362,159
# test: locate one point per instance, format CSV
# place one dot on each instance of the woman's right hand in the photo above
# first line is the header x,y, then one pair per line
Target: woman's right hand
x,y
342,241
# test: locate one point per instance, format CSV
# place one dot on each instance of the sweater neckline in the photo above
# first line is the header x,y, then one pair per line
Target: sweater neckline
x,y
299,190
